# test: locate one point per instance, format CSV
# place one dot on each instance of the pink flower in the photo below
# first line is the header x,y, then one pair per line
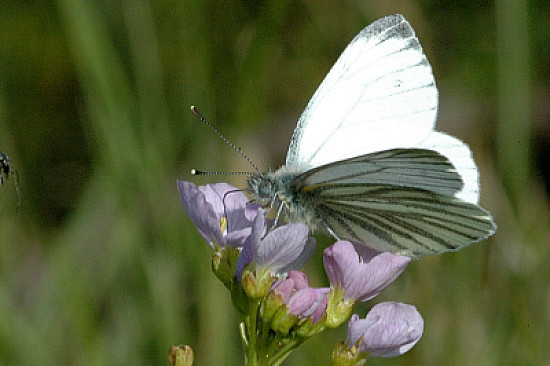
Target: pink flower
x,y
362,277
390,329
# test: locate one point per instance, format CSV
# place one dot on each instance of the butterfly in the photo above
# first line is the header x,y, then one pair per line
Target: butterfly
x,y
365,163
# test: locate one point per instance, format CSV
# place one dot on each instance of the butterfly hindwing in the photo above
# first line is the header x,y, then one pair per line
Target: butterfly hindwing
x,y
400,200
404,221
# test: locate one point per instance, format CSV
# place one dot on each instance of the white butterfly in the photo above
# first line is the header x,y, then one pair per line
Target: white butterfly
x,y
365,162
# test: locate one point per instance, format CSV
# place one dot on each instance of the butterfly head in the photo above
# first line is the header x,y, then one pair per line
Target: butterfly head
x,y
262,188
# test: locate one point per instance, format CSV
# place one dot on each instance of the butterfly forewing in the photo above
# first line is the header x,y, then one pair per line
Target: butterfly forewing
x,y
460,155
379,95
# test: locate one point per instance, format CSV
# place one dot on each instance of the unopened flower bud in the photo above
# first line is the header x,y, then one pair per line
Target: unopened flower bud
x,y
181,356
223,264
276,298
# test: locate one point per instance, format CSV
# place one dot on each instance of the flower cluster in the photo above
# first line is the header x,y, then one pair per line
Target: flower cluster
x,y
260,265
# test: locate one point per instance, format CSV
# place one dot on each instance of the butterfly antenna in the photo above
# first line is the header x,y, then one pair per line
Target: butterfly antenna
x,y
218,133
200,172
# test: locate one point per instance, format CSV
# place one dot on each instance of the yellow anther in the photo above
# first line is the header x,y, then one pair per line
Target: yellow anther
x,y
223,224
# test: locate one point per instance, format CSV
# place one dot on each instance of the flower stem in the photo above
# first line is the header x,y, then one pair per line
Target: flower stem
x,y
282,353
251,322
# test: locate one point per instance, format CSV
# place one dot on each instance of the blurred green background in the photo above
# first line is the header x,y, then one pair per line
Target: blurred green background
x,y
103,267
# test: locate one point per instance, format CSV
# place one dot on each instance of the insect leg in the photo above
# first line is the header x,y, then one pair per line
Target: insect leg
x,y
281,205
330,231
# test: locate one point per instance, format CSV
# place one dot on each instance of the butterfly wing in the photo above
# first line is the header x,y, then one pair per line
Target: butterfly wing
x,y
460,155
400,200
379,95
407,168
405,221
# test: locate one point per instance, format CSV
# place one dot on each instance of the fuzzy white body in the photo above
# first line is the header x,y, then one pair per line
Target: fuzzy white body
x,y
274,191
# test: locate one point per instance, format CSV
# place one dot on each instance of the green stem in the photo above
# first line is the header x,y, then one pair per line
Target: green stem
x,y
282,354
251,321
265,337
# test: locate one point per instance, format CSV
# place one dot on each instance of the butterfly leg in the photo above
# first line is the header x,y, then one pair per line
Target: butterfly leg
x,y
330,231
276,220
281,205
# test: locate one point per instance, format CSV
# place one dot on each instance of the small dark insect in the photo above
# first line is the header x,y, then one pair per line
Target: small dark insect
x,y
5,167
5,170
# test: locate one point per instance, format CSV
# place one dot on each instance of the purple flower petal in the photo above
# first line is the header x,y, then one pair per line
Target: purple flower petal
x,y
322,307
362,277
247,254
275,252
245,257
301,302
299,278
251,210
389,329
201,212
283,288
206,205
280,247
214,194
307,253
357,327
321,298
